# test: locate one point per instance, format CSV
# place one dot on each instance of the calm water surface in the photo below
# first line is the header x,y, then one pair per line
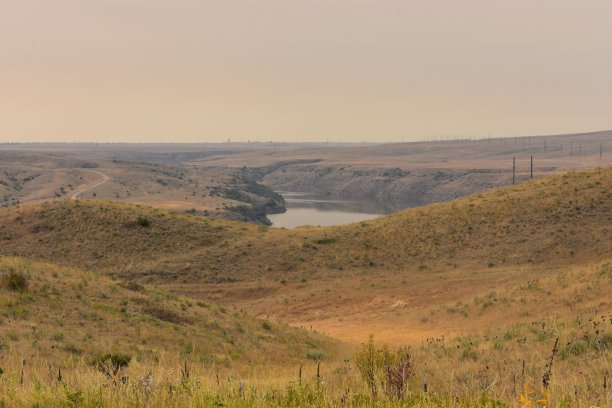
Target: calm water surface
x,y
308,209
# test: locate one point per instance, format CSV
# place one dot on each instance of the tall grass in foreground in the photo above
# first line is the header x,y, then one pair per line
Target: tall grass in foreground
x,y
496,369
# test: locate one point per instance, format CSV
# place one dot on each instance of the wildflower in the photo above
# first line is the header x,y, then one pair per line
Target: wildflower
x,y
532,399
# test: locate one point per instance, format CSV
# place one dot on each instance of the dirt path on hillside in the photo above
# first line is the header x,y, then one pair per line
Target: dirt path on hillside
x,y
99,183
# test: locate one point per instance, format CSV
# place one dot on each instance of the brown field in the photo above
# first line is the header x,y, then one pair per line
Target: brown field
x,y
480,287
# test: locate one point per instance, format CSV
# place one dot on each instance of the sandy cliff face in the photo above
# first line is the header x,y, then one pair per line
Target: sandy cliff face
x,y
394,188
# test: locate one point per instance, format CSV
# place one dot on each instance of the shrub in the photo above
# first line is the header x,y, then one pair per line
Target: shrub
x,y
143,221
397,369
15,281
112,364
326,241
116,360
316,355
266,326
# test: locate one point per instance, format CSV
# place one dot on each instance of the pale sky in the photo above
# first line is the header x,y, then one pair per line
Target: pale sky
x,y
302,70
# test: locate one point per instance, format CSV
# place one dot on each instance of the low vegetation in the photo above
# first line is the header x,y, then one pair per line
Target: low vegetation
x,y
70,315
560,220
500,300
15,281
512,367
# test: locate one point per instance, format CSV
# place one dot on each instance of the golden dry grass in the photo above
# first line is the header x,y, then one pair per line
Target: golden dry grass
x,y
555,220
69,315
486,369
478,286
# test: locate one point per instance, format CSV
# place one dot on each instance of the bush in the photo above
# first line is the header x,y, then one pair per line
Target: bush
x,y
15,281
326,241
397,369
143,221
316,355
111,364
266,326
117,360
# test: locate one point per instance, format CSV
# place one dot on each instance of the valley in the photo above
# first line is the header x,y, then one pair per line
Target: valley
x,y
477,286
241,181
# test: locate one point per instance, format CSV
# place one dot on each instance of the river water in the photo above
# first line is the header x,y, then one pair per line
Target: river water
x,y
309,209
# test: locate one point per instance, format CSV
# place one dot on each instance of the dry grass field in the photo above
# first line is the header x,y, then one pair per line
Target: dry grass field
x,y
558,220
64,314
481,288
501,365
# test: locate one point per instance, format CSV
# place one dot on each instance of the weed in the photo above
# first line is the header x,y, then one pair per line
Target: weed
x,y
390,368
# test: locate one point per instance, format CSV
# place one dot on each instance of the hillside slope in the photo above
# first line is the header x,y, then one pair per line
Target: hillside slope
x,y
68,314
558,219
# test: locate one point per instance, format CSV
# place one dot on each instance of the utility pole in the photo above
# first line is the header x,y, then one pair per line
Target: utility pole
x,y
513,168
531,167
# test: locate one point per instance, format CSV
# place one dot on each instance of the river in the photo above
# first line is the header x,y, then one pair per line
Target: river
x,y
310,209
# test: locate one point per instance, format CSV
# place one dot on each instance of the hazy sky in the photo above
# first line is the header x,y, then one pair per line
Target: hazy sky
x,y
376,70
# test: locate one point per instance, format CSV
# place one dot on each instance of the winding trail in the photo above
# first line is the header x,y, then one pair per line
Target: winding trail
x,y
104,180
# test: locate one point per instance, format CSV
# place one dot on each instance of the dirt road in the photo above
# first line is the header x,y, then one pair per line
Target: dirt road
x,y
100,182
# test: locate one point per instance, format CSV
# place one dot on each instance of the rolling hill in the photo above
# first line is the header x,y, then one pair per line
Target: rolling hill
x,y
554,220
483,288
64,314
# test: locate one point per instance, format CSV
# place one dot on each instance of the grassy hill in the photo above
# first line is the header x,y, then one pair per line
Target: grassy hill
x,y
69,314
558,219
53,330
481,287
